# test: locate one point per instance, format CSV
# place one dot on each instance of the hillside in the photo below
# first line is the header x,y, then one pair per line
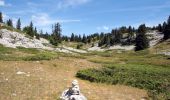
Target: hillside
x,y
14,39
43,73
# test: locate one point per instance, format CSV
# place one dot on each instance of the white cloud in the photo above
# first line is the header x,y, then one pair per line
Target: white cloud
x,y
5,17
106,28
43,19
2,3
71,3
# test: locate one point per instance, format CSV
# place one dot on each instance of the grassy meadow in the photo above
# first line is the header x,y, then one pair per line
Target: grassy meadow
x,y
113,74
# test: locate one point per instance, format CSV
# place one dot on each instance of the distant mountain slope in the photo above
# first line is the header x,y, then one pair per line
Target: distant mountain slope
x,y
15,39
161,48
154,38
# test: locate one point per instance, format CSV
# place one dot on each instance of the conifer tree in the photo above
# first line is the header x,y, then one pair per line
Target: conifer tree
x,y
37,35
18,26
10,23
84,39
167,30
159,28
72,37
79,38
30,30
56,34
1,17
164,26
141,39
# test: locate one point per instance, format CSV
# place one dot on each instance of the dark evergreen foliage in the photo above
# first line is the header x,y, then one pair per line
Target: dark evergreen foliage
x,y
167,30
18,26
84,39
1,17
56,35
141,39
9,23
30,31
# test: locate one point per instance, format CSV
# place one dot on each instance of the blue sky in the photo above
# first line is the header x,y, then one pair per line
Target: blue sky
x,y
86,16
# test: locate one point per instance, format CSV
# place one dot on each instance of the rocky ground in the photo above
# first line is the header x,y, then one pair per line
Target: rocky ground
x,y
46,80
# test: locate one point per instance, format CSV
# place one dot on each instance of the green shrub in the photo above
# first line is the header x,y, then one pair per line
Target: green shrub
x,y
28,50
153,78
79,46
41,56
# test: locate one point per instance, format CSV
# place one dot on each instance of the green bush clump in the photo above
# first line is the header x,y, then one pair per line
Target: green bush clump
x,y
41,56
28,50
152,78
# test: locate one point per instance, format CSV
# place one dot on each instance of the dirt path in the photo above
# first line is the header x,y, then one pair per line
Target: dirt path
x,y
45,80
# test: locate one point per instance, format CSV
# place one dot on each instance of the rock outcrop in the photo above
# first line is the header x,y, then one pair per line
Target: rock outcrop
x,y
14,39
73,93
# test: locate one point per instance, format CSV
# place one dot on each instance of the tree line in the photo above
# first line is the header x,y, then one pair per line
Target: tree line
x,y
123,35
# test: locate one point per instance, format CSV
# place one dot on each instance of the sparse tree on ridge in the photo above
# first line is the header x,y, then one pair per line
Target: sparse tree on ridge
x,y
84,39
10,23
72,37
164,26
1,17
56,34
167,30
37,35
31,30
141,39
18,26
159,28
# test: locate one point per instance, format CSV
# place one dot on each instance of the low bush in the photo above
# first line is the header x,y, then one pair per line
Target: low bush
x,y
155,79
40,56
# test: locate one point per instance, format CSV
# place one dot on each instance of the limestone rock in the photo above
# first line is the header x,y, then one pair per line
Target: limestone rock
x,y
73,93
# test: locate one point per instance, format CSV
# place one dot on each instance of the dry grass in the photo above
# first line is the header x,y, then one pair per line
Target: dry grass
x,y
45,80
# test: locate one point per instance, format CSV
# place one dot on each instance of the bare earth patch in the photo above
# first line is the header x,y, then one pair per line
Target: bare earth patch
x,y
45,80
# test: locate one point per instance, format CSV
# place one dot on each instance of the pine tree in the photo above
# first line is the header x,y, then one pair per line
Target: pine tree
x,y
130,35
159,28
10,23
18,26
164,26
141,39
72,37
30,30
84,39
112,39
167,30
79,38
36,33
56,35
118,36
1,17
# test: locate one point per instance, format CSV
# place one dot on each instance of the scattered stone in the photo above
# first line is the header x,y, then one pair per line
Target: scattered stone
x,y
20,73
14,94
28,75
37,61
73,93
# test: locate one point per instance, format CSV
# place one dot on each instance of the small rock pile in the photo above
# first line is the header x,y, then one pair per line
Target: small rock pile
x,y
73,93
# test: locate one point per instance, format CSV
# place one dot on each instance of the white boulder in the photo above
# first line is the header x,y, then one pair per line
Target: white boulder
x,y
73,93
